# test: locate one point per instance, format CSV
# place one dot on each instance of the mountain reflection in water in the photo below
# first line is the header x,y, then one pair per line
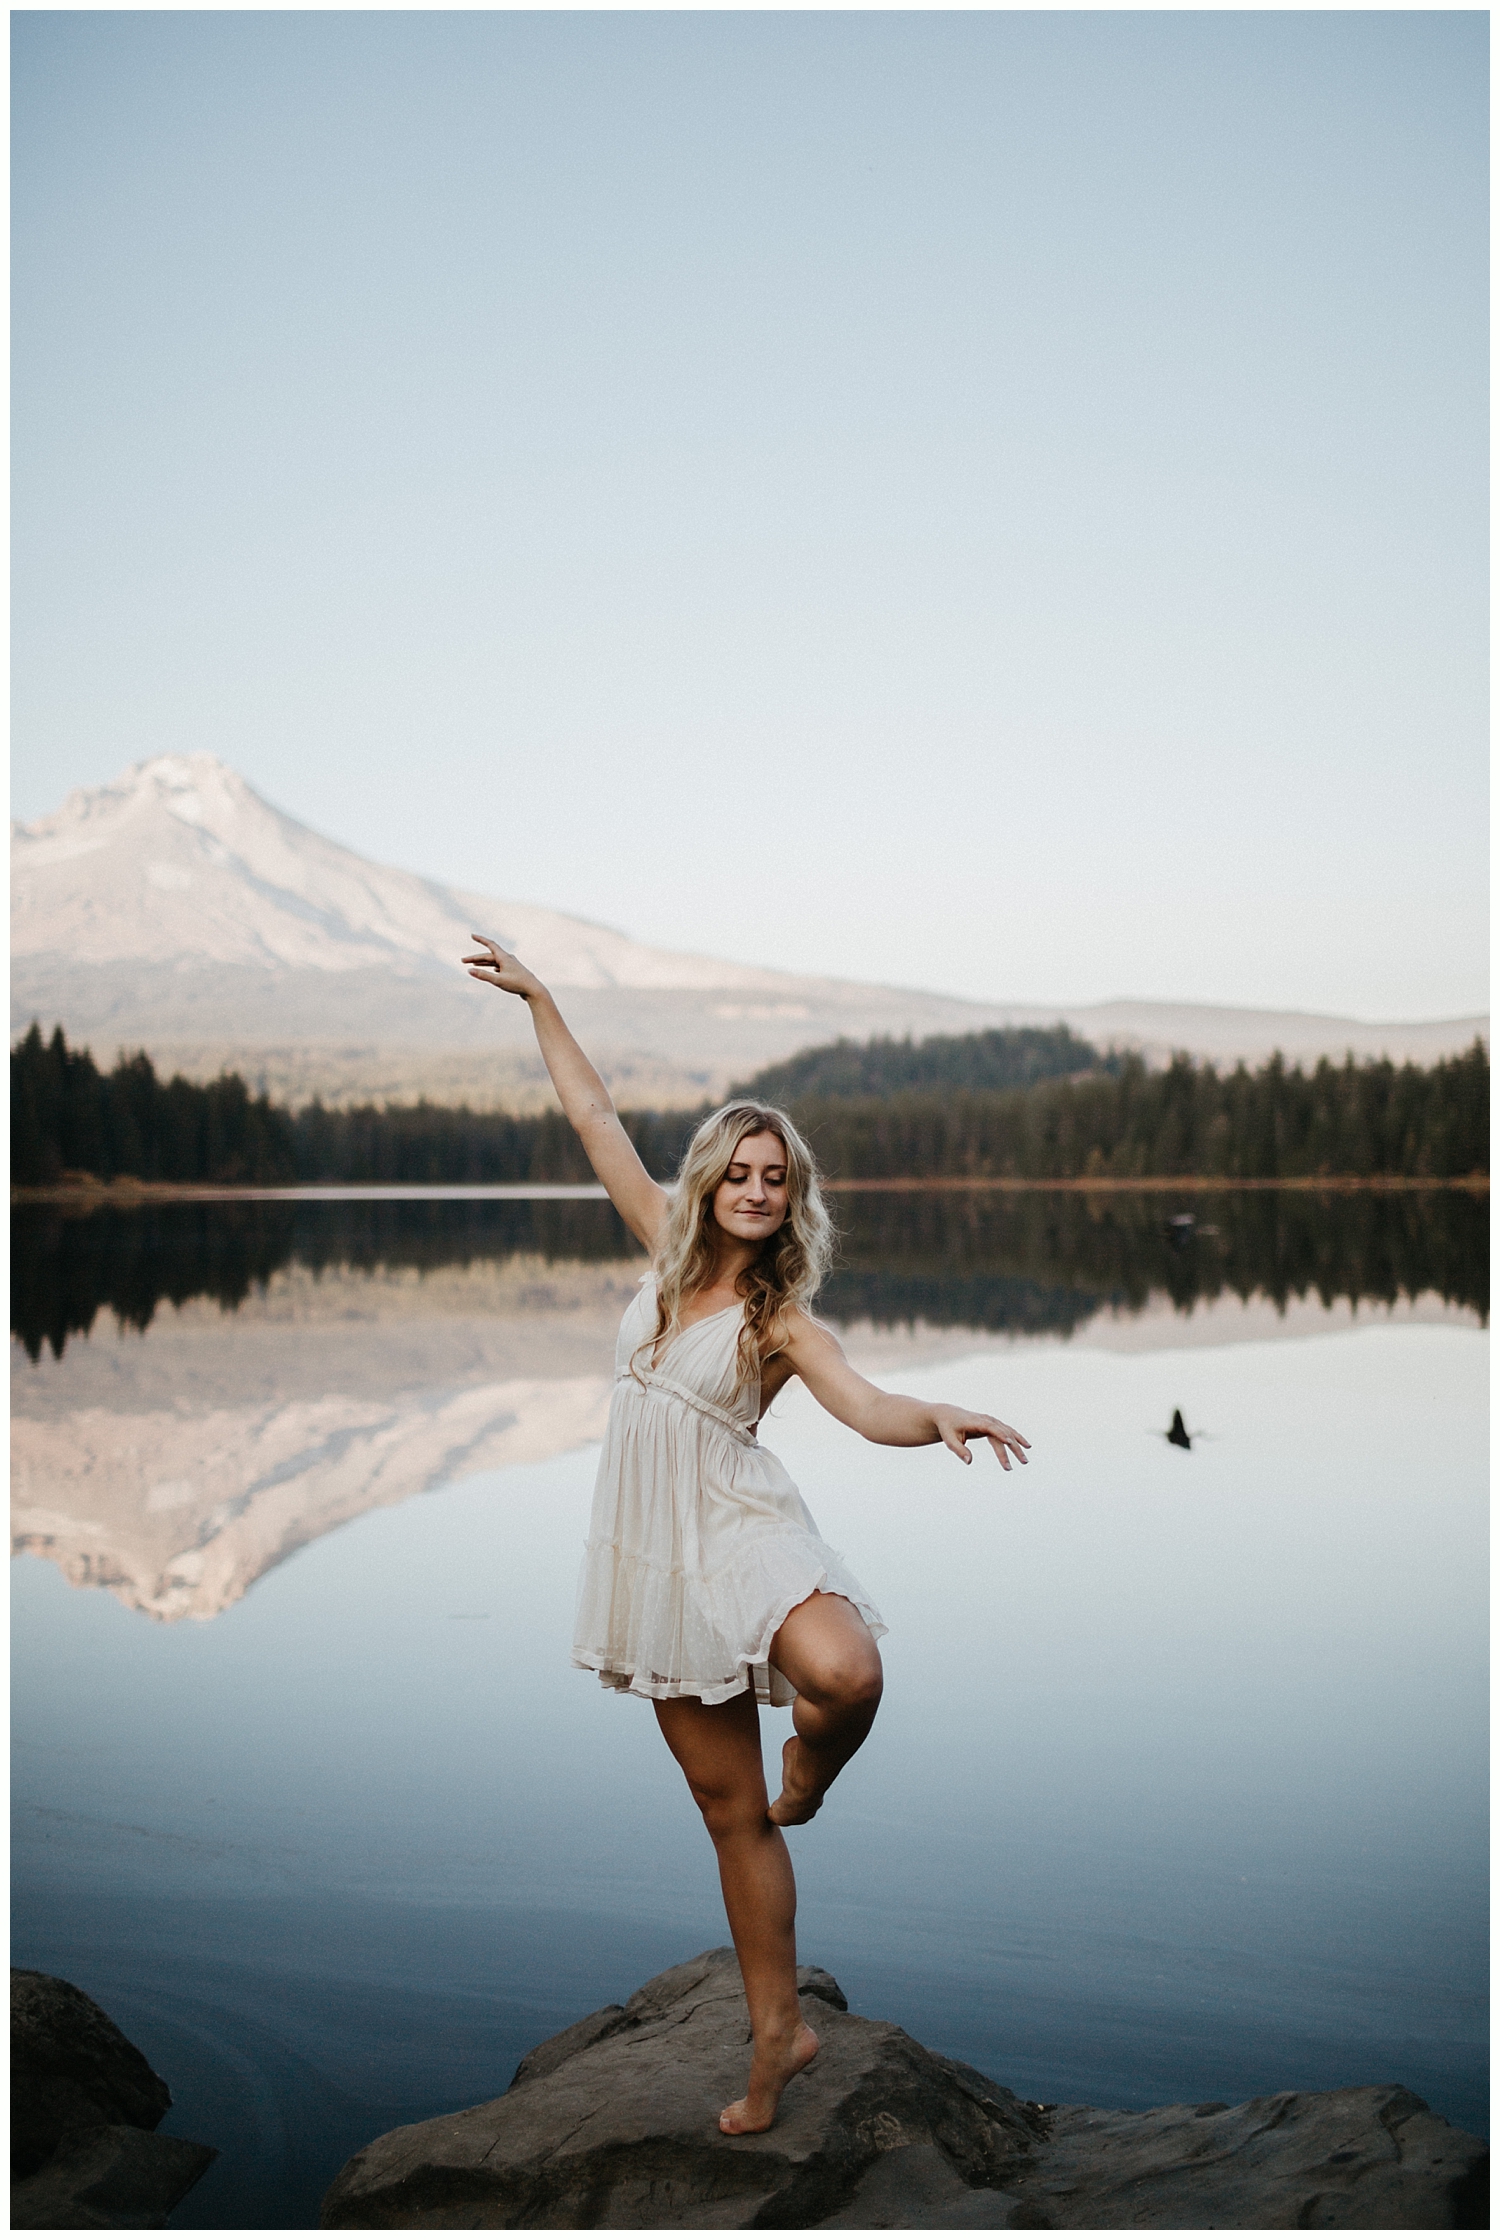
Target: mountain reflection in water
x,y
1031,1262
325,1360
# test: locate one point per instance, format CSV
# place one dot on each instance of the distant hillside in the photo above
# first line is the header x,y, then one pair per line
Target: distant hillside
x,y
1000,1058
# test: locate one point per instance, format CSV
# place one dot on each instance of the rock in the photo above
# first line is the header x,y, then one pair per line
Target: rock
x,y
114,2177
614,2122
916,2189
1369,2158
85,2103
815,1983
70,2069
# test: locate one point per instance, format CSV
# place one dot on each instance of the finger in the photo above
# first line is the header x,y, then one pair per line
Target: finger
x,y
1008,1431
953,1439
995,1429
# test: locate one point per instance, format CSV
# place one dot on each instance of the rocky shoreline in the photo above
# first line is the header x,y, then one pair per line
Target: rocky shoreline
x,y
613,2124
84,2106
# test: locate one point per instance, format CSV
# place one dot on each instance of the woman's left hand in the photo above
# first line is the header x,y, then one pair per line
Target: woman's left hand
x,y
955,1426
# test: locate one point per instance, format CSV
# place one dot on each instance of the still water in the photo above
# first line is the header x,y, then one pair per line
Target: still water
x,y
1177,1791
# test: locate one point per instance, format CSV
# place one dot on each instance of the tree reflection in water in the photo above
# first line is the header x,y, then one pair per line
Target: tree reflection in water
x,y
1029,1261
1038,1261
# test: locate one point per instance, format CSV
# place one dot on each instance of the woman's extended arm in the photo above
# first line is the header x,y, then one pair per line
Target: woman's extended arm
x,y
889,1419
640,1202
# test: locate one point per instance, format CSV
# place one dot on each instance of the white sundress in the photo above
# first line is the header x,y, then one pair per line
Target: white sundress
x,y
699,1542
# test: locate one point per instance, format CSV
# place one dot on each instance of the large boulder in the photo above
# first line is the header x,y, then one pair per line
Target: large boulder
x,y
69,2068
616,2122
112,2178
613,2123
85,2104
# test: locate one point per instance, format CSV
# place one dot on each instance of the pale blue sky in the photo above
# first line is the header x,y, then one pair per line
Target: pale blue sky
x,y
993,502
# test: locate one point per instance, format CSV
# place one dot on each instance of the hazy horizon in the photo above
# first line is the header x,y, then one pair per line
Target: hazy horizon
x,y
992,503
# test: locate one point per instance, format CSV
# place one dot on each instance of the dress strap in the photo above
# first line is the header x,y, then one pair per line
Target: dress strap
x,y
656,1382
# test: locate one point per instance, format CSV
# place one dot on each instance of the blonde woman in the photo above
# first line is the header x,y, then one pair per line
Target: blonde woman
x,y
706,1586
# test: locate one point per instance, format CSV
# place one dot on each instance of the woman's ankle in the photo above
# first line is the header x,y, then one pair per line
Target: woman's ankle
x,y
777,2026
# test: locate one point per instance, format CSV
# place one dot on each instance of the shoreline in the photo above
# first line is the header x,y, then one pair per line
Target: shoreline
x,y
128,1192
1476,1185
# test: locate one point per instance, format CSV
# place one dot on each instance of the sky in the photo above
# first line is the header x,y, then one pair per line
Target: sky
x,y
990,502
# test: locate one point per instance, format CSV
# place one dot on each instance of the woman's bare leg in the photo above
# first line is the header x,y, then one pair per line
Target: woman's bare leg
x,y
718,1748
829,1655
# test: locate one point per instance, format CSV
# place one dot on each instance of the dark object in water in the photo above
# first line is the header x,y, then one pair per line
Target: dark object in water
x,y
1181,1229
1178,1435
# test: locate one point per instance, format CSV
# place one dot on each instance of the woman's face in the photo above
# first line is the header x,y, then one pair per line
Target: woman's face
x,y
750,1202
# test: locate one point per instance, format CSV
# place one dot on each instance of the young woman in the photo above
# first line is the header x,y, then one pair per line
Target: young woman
x,y
705,1585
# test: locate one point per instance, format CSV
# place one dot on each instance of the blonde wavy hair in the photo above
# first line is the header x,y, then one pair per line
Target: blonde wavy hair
x,y
792,1262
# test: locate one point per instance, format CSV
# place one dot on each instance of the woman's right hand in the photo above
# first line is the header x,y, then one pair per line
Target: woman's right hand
x,y
502,970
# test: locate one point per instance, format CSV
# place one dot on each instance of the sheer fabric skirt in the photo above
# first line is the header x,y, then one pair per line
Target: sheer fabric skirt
x,y
699,1545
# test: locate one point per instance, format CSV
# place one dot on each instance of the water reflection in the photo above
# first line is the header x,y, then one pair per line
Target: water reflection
x,y
1050,1260
1177,1791
984,1260
68,1263
177,1470
326,1360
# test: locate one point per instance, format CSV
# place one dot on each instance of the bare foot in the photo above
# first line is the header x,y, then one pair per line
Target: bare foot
x,y
772,2067
799,1800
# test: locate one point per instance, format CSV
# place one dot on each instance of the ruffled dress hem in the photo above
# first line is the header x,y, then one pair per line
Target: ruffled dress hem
x,y
754,1670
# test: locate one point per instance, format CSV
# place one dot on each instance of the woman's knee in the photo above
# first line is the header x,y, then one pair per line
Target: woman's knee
x,y
849,1680
728,1810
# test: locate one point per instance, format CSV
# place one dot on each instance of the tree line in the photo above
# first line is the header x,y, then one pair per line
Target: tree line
x,y
1275,1123
68,1117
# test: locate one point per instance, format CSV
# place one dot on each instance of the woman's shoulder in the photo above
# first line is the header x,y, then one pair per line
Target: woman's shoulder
x,y
800,1326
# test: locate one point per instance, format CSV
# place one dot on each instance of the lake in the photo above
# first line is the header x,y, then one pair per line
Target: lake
x,y
1177,1792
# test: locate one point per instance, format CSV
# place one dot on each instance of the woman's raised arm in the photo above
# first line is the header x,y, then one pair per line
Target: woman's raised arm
x,y
640,1202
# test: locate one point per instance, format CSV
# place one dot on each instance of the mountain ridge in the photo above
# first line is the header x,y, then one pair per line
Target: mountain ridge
x,y
177,910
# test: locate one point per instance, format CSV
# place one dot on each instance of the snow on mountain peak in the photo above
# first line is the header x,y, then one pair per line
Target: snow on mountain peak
x,y
180,862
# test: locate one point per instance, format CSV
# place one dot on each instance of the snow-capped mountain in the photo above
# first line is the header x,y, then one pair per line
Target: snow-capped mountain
x,y
180,862
176,910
